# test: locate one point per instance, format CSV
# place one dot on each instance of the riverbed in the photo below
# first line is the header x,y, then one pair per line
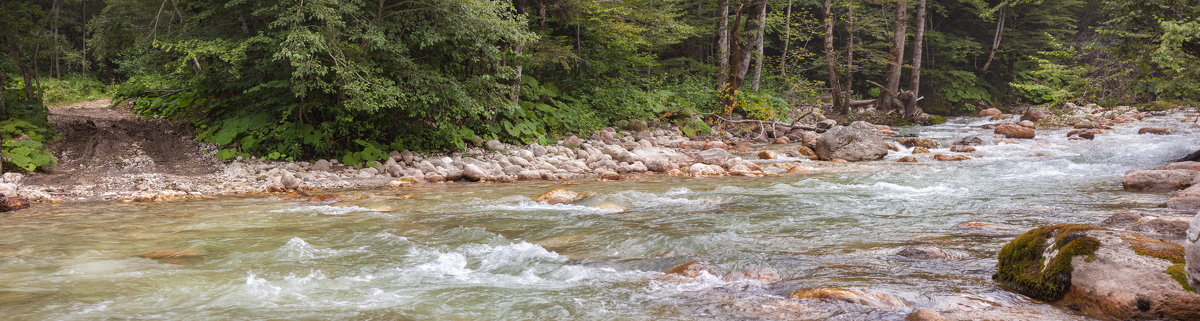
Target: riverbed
x,y
484,251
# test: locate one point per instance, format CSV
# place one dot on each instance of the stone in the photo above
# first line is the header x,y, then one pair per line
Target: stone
x,y
8,190
694,269
1189,165
919,142
1088,134
781,140
989,112
1027,124
559,196
474,173
804,150
893,148
529,175
289,180
857,142
768,154
407,157
12,178
962,149
907,159
717,156
984,227
951,158
1099,273
920,150
1156,180
925,315
1155,131
1010,130
8,204
1002,117
1174,227
1191,244
826,124
403,182
970,141
1122,219
923,253
700,169
321,165
878,300
798,170
1035,114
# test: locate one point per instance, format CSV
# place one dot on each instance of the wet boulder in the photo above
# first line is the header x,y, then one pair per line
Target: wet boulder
x,y
1122,219
907,159
768,154
989,112
962,149
1191,166
951,158
1155,131
878,300
1099,272
1169,226
1156,180
1010,130
1035,114
919,142
719,157
923,253
920,150
8,204
925,315
857,142
559,196
766,275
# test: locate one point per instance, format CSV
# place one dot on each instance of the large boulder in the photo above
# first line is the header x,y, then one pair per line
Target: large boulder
x,y
1035,114
1011,130
1158,180
989,112
1099,272
719,157
857,142
1192,253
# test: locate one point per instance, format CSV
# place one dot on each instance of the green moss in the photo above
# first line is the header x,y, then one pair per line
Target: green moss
x,y
936,120
1020,261
1146,246
1178,273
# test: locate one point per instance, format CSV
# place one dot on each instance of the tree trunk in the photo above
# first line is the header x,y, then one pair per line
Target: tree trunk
x,y
787,39
831,60
995,41
849,49
723,44
896,61
515,94
26,76
83,40
758,56
914,84
55,7
739,53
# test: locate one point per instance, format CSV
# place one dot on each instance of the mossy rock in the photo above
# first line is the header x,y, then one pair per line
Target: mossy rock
x,y
1101,273
1021,261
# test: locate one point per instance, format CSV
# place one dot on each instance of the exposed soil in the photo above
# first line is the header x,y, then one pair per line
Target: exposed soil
x,y
98,145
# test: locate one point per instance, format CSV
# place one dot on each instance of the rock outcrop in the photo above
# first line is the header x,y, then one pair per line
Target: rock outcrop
x,y
1158,180
1192,253
1099,272
857,142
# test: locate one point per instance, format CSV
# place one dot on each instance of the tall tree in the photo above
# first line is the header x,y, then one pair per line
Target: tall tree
x,y
999,34
787,40
723,44
745,24
758,55
896,60
831,60
850,31
914,84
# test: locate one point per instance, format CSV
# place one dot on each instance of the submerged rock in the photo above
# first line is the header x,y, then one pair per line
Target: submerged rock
x,y
766,275
1099,272
878,300
925,315
857,142
907,159
1155,180
1122,219
923,253
1155,131
694,269
1035,114
170,253
919,142
8,204
1171,226
951,158
559,196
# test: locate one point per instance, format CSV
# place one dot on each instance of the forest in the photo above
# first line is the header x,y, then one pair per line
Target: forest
x,y
351,79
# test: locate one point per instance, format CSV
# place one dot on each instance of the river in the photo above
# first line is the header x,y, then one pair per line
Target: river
x,y
484,251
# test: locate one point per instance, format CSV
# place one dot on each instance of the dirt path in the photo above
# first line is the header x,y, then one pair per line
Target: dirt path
x,y
102,150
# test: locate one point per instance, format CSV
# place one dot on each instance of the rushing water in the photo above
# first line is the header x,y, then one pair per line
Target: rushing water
x,y
483,251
